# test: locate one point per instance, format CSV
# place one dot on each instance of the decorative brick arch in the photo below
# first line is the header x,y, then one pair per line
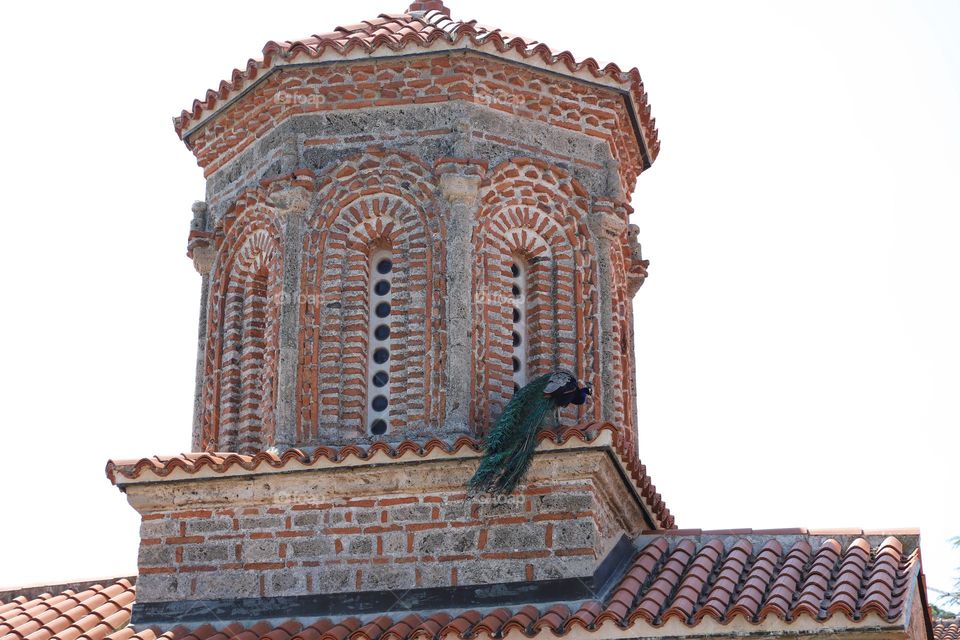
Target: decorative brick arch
x,y
243,330
621,303
534,210
366,203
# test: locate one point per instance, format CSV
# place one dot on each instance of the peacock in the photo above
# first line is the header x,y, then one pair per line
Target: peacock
x,y
509,447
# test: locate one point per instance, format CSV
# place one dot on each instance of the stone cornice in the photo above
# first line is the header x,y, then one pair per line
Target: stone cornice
x,y
200,467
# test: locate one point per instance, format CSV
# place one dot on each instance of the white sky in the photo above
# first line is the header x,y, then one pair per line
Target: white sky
x,y
798,337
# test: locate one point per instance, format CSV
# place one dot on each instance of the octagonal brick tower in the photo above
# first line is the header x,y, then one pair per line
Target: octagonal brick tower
x,y
405,219
475,162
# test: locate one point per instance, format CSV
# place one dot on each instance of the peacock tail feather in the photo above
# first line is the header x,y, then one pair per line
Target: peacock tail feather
x,y
510,444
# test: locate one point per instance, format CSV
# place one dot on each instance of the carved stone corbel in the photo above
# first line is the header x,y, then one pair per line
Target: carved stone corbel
x,y
200,247
636,265
460,189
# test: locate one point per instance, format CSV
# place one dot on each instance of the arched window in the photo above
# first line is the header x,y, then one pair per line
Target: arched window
x,y
379,210
242,351
518,273
537,213
379,343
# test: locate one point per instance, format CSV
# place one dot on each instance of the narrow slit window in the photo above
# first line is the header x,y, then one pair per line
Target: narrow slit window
x,y
518,272
379,343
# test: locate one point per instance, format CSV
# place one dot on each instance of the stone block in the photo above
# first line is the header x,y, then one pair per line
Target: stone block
x,y
360,545
491,571
154,555
552,567
437,575
456,510
209,525
382,577
215,585
518,537
394,542
162,587
366,516
564,502
267,550
261,523
446,541
307,519
410,513
208,553
574,534
334,579
287,582
310,548
160,528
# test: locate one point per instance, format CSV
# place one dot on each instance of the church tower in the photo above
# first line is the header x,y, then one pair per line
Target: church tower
x,y
405,221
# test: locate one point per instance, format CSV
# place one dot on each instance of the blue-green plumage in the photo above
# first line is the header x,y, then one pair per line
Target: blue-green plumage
x,y
509,447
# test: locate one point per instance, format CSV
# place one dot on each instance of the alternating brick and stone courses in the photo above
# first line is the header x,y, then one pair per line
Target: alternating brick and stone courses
x,y
378,527
450,247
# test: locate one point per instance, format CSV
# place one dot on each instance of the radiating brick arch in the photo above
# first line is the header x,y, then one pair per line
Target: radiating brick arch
x,y
536,211
243,330
621,304
366,203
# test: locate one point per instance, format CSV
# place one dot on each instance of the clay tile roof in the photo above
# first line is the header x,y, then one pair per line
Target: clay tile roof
x,y
426,24
692,579
92,613
121,472
946,630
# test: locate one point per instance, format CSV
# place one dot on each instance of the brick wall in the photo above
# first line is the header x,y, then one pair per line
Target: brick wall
x,y
249,536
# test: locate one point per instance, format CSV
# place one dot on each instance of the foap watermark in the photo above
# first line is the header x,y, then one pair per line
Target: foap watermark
x,y
289,98
500,96
496,500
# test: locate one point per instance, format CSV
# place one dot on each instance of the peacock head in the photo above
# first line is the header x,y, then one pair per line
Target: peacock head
x,y
581,394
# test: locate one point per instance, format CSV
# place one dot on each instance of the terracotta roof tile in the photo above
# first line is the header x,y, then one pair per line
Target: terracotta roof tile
x,y
946,630
92,613
689,578
461,625
399,32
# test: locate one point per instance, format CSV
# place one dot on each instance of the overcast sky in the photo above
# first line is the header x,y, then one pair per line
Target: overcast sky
x,y
798,340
